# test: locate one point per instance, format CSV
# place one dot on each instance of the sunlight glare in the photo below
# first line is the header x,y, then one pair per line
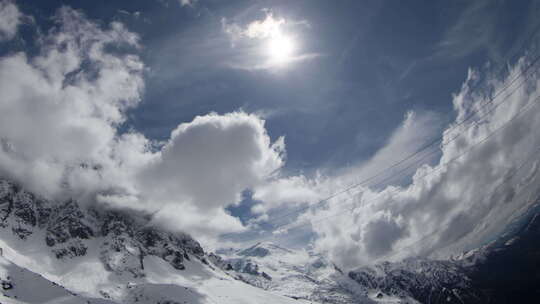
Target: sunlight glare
x,y
280,48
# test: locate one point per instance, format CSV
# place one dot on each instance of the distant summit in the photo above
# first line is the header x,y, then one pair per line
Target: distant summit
x,y
263,249
62,252
103,256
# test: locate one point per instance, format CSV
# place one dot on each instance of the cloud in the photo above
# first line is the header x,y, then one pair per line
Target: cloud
x,y
63,106
257,42
381,233
258,29
469,195
293,190
469,189
204,225
205,166
266,65
135,14
187,2
474,30
10,18
416,130
267,28
60,117
202,156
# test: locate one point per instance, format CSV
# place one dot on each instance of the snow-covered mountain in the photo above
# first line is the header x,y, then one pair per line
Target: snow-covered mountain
x,y
501,271
427,281
64,253
299,274
507,269
20,285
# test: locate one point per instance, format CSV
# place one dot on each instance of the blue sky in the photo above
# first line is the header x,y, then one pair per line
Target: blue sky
x,y
379,59
183,109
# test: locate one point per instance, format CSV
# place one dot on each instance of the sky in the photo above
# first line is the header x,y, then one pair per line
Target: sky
x,y
236,120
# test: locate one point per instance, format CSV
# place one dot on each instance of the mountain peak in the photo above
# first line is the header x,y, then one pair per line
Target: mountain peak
x,y
263,249
69,229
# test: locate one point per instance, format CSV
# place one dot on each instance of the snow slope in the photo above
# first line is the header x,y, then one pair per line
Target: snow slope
x,y
299,274
62,253
164,285
105,257
20,285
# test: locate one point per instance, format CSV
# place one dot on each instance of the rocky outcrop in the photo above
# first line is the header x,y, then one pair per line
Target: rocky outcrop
x,y
427,281
67,229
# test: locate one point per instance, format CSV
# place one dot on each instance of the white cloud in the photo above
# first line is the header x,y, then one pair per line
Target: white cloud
x,y
447,207
266,43
187,2
59,120
61,109
474,188
205,166
204,225
212,159
294,190
267,28
416,131
258,29
10,18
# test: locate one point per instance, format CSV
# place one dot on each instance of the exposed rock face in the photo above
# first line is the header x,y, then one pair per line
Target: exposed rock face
x,y
427,281
68,228
507,270
291,273
263,249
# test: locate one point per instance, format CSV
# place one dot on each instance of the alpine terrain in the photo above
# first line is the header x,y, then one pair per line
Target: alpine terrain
x,y
64,253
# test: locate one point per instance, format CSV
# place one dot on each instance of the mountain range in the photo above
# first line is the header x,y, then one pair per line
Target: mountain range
x,y
66,253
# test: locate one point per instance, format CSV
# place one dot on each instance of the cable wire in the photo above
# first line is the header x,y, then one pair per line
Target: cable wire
x,y
438,139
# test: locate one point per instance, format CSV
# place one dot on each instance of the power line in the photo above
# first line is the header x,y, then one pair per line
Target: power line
x,y
528,106
396,251
489,136
438,139
433,142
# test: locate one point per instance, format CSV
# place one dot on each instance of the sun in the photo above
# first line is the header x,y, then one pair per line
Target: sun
x,y
280,48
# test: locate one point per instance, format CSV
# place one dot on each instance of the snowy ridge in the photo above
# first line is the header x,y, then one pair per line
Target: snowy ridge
x,y
263,249
68,231
64,253
297,274
425,280
22,286
86,256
